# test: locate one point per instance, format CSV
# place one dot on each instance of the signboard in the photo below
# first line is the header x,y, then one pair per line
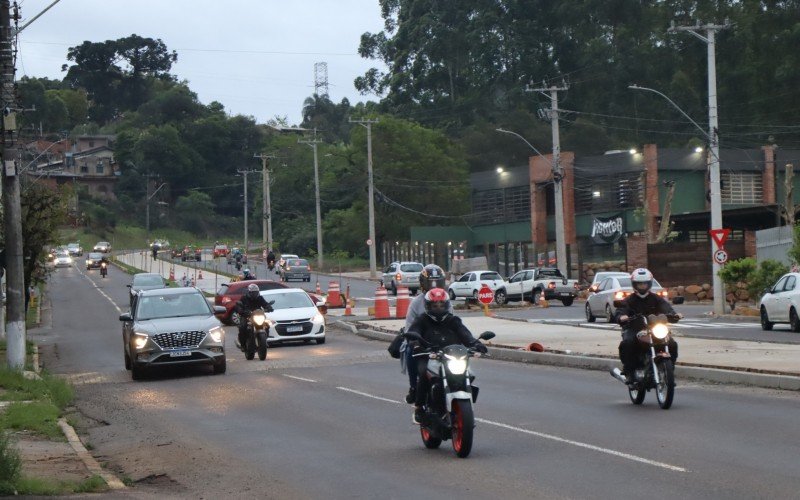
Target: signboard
x,y
720,236
485,295
720,256
551,258
540,259
607,230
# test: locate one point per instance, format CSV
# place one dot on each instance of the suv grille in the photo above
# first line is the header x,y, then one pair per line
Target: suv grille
x,y
306,324
179,339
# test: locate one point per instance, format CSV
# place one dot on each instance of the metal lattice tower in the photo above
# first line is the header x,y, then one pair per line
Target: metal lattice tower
x,y
321,79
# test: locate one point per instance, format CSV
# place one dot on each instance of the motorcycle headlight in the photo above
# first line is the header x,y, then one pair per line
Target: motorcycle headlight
x,y
318,318
217,334
660,331
140,340
259,318
456,366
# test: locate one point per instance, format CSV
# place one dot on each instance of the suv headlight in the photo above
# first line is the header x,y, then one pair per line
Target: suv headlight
x,y
140,340
217,334
456,366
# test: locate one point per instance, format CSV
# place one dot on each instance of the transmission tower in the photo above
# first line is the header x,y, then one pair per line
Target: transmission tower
x,y
321,79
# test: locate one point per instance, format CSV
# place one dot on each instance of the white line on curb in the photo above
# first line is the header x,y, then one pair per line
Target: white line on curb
x,y
87,458
300,378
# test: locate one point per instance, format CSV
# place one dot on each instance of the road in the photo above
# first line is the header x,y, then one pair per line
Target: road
x,y
327,422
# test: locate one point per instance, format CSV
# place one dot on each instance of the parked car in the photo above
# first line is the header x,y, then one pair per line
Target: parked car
x,y
62,259
221,250
402,273
191,253
530,284
599,277
172,326
601,302
74,249
781,303
145,281
296,269
160,245
230,293
102,246
295,316
468,284
93,260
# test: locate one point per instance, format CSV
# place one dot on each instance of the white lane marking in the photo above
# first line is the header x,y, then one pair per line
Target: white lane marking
x,y
369,395
588,446
101,291
579,444
299,378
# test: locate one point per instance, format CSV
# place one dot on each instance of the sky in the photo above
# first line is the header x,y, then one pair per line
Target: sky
x,y
256,57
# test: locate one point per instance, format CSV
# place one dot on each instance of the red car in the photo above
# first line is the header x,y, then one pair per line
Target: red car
x,y
221,251
230,293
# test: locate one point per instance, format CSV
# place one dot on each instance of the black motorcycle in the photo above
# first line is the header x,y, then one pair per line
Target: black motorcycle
x,y
448,407
655,369
258,325
103,269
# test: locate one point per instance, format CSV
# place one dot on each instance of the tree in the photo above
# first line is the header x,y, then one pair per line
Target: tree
x,y
196,212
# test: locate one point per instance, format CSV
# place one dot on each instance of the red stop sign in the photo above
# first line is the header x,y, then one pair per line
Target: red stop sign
x,y
485,295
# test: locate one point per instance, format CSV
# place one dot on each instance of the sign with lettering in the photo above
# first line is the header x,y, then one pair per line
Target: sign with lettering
x,y
608,230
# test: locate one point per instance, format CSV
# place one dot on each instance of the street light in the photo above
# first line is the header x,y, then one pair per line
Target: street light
x,y
561,244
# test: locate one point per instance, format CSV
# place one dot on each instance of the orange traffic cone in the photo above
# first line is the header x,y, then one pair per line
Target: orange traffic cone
x,y
334,297
381,304
201,275
402,302
543,302
172,274
348,311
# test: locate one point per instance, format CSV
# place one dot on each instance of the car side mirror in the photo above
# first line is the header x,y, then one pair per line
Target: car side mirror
x,y
219,310
678,299
487,336
125,317
322,308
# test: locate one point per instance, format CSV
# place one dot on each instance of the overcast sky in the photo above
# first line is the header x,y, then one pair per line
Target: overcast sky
x,y
254,56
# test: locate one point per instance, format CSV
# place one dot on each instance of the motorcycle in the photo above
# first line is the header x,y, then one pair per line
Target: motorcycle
x,y
103,269
656,370
271,264
257,332
448,408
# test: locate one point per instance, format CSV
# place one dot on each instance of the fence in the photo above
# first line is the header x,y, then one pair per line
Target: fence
x,y
774,243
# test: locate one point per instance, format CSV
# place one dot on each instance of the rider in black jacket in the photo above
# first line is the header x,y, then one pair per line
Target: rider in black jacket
x,y
643,302
249,302
439,328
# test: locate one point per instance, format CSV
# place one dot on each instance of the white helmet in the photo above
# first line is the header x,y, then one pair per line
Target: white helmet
x,y
642,281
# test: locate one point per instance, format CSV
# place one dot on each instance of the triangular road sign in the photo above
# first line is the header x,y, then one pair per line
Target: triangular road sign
x,y
720,236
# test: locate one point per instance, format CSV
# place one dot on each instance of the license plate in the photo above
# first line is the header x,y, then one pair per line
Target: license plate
x,y
295,328
180,354
565,294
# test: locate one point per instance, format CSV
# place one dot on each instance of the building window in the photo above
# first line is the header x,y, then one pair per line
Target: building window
x,y
497,206
741,188
100,167
84,169
608,193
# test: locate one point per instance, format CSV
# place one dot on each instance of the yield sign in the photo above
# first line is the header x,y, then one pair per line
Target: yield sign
x,y
720,236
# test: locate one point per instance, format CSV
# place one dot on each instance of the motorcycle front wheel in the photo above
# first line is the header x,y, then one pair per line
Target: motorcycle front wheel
x,y
636,394
665,390
463,426
262,346
250,348
428,439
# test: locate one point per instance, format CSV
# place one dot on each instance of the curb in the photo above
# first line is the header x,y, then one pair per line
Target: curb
x,y
717,375
87,458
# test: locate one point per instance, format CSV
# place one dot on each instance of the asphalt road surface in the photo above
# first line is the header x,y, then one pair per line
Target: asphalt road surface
x,y
327,422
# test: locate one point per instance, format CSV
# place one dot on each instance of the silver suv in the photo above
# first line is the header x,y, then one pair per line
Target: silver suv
x,y
402,273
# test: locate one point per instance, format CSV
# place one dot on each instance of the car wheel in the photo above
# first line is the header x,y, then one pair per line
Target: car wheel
x,y
475,295
452,295
321,341
137,372
536,295
589,316
220,366
500,297
567,302
766,324
127,361
794,321
609,314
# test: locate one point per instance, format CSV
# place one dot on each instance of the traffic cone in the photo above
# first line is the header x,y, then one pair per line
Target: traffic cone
x,y
402,302
319,290
381,304
172,274
542,301
348,311
200,276
334,297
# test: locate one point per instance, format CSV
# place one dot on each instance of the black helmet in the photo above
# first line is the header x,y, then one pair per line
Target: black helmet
x,y
431,277
437,304
253,291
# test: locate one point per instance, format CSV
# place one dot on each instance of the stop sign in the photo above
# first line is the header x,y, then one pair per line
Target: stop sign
x,y
485,294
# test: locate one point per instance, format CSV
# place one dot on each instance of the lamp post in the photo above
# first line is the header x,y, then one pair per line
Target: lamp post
x,y
561,244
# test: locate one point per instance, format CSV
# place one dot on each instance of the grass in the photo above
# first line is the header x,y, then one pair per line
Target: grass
x,y
124,236
49,389
334,265
40,417
36,486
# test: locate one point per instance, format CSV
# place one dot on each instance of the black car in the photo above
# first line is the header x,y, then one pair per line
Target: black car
x,y
145,281
93,260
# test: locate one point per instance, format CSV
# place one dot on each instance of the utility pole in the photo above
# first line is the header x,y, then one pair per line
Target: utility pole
x,y
561,244
147,197
313,144
373,264
12,209
266,211
713,133
244,173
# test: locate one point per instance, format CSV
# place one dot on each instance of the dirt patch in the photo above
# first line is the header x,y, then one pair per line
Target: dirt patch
x,y
50,460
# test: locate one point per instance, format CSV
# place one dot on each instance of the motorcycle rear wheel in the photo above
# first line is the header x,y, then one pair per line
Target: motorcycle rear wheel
x,y
463,427
262,346
665,390
250,348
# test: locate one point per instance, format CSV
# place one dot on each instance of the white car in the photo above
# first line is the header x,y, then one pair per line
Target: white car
x,y
468,284
601,302
295,316
781,303
599,277
62,259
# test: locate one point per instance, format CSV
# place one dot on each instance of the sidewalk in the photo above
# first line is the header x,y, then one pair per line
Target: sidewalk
x,y
209,283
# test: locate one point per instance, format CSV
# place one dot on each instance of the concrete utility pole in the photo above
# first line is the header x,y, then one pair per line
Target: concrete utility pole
x,y
266,214
12,209
147,198
313,143
373,261
561,244
713,135
244,173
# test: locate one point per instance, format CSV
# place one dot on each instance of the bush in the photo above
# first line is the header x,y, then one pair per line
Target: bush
x,y
756,276
10,464
768,273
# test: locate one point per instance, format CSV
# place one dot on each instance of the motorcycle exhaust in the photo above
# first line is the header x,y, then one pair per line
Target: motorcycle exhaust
x,y
617,374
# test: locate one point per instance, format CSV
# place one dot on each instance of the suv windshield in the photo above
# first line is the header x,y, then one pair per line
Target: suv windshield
x,y
290,300
411,268
171,306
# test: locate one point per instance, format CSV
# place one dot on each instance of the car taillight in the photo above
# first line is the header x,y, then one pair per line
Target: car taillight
x,y
226,300
398,276
619,295
664,293
551,285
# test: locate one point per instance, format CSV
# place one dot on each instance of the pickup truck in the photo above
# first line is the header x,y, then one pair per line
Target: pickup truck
x,y
530,284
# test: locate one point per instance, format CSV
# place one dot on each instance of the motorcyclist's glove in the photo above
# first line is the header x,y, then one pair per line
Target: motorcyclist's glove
x,y
479,347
